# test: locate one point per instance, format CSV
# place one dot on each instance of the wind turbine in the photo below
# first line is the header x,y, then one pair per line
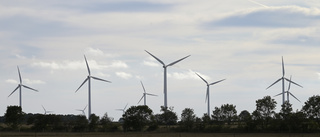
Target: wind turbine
x,y
82,110
45,111
20,87
145,95
208,93
165,75
288,92
283,79
124,109
89,85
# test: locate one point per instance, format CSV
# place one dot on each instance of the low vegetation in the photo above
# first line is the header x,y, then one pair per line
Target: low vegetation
x,y
140,119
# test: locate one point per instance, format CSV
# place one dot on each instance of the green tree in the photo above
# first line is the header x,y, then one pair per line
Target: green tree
x,y
206,119
137,117
93,122
106,123
245,120
13,116
81,123
311,108
188,118
168,117
217,115
285,116
226,113
264,111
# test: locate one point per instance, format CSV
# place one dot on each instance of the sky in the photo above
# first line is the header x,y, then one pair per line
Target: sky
x,y
241,41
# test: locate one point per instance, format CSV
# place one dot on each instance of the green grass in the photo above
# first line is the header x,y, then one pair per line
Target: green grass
x,y
16,134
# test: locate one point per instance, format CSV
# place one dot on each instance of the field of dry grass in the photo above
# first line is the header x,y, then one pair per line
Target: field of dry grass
x,y
11,134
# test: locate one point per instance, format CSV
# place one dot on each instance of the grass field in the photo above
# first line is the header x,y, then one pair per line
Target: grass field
x,y
10,134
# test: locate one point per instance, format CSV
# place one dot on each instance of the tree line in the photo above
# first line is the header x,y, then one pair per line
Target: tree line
x,y
141,118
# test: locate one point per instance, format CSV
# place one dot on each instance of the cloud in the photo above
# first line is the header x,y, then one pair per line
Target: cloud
x,y
20,56
12,81
74,65
65,65
151,62
123,75
29,81
121,6
118,64
285,16
97,52
188,75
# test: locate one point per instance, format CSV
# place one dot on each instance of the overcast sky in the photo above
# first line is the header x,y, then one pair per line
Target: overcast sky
x,y
240,40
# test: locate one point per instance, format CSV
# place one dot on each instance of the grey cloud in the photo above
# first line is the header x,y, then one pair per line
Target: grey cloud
x,y
289,16
298,40
124,6
26,27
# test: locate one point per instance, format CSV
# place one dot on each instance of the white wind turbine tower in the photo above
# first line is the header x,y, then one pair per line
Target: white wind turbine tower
x,y
45,111
165,75
145,95
20,87
124,109
289,93
283,79
82,110
208,92
89,85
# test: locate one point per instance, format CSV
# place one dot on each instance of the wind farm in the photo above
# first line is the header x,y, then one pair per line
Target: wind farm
x,y
61,47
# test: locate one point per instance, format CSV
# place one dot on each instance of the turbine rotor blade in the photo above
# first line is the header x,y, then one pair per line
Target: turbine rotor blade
x,y
100,79
30,88
87,64
155,57
293,82
19,86
171,64
294,96
278,94
289,84
274,83
202,79
151,94
125,107
43,108
283,72
85,107
141,99
19,75
83,83
217,82
143,87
